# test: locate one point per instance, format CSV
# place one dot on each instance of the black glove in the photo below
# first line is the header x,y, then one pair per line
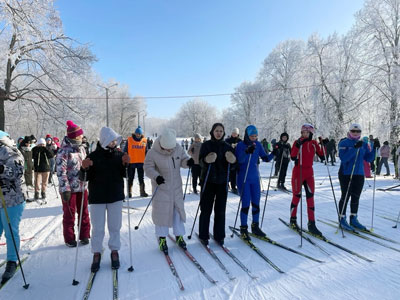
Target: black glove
x,y
298,143
190,162
160,180
66,196
250,149
377,144
265,159
358,144
295,159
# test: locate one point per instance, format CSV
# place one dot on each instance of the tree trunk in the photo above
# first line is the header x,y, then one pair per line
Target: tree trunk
x,y
2,108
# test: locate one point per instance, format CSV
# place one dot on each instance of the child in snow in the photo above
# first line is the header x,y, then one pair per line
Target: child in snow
x,y
11,171
215,156
194,152
352,153
69,161
162,165
303,152
233,140
282,159
105,169
41,165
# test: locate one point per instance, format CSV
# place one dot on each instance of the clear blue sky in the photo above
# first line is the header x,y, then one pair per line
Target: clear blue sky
x,y
183,47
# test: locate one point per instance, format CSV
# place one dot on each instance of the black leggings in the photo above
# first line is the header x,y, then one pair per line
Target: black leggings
x,y
356,186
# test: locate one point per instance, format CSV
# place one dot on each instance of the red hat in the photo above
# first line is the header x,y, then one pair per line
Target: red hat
x,y
48,136
73,130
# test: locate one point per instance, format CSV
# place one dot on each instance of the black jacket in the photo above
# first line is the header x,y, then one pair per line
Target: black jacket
x,y
284,150
41,156
106,184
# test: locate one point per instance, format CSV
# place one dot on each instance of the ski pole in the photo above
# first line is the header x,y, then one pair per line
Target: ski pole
x,y
155,191
397,221
130,269
241,194
301,196
187,180
266,196
26,285
322,182
201,196
348,187
227,178
333,192
280,167
54,185
373,193
75,282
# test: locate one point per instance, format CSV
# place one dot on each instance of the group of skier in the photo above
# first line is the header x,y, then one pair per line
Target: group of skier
x,y
215,163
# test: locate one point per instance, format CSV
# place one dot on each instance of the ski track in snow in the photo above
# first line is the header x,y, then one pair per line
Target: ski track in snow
x,y
50,266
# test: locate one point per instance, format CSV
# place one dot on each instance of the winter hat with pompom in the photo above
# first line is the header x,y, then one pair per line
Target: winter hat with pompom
x,y
168,139
41,141
73,130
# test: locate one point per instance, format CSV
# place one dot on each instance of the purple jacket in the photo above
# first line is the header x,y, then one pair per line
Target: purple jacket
x,y
68,163
385,151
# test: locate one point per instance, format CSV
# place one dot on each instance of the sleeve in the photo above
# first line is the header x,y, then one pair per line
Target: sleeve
x,y
240,153
294,152
184,159
318,149
150,166
369,155
61,161
263,155
346,153
126,146
190,151
49,153
13,168
203,153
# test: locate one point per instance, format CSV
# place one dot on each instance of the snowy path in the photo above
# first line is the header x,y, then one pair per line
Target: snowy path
x,y
49,269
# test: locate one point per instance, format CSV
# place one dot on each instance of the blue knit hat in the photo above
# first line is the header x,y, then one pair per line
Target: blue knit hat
x,y
251,129
3,134
139,130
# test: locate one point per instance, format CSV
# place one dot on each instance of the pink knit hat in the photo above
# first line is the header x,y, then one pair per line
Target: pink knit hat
x,y
73,130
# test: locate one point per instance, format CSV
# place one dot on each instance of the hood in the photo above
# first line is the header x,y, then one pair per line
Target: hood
x,y
284,134
107,135
212,132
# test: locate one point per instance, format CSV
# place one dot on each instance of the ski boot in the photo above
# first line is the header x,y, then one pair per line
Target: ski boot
x,y
71,244
11,268
345,225
114,260
43,194
181,242
244,234
355,224
313,229
163,244
142,191
219,242
255,229
36,196
96,262
84,241
293,224
204,242
130,190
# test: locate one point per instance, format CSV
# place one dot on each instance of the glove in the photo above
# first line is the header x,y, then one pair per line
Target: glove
x,y
358,144
298,143
265,159
250,149
160,180
125,159
211,157
190,163
230,157
86,163
66,196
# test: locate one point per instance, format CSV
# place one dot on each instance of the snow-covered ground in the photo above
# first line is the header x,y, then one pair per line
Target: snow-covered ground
x,y
49,268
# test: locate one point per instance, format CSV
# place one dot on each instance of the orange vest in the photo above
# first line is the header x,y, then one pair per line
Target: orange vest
x,y
137,150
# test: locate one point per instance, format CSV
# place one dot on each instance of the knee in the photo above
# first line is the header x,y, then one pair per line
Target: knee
x,y
245,210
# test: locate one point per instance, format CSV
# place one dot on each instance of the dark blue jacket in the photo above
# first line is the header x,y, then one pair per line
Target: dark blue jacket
x,y
347,154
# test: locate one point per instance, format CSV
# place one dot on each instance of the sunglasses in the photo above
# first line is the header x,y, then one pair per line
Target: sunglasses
x,y
354,131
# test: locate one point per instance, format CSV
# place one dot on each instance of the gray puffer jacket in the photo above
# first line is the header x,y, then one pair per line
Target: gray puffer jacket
x,y
160,162
11,177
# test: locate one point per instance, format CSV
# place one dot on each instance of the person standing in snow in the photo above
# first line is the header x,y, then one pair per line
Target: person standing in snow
x,y
26,150
385,153
367,169
69,161
248,180
11,171
233,140
282,160
136,148
51,146
303,152
162,165
41,164
105,169
215,156
194,152
352,153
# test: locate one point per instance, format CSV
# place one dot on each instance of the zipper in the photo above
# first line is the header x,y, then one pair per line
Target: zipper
x,y
173,161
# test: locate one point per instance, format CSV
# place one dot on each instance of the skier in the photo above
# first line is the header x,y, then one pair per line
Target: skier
x,y
248,179
331,151
385,153
283,150
233,140
352,153
51,146
41,165
194,152
367,169
136,148
26,150
105,169
215,155
11,171
69,161
162,165
303,152
186,144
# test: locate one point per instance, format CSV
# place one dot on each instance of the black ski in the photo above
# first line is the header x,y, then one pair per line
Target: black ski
x,y
258,251
236,260
356,233
115,283
217,260
305,237
389,188
388,218
272,242
195,262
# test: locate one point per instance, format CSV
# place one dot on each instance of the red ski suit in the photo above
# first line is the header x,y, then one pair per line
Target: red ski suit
x,y
304,162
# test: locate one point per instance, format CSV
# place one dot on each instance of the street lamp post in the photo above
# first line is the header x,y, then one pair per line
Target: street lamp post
x,y
107,88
